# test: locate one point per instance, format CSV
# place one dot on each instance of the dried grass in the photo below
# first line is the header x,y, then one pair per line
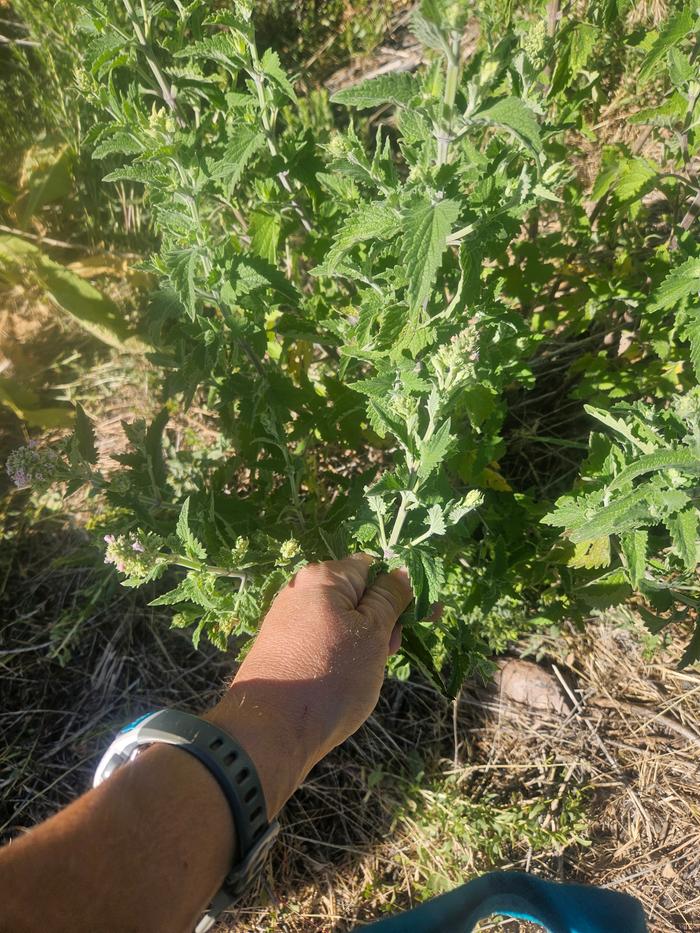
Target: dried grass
x,y
351,848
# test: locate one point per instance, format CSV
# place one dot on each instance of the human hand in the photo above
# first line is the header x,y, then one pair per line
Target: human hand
x,y
315,670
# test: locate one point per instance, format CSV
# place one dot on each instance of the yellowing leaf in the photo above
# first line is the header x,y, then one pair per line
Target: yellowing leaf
x,y
492,479
591,554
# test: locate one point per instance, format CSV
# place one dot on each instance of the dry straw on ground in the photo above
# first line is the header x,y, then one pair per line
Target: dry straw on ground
x,y
388,818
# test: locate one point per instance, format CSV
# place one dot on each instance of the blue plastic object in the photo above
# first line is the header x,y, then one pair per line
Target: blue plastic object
x,y
559,908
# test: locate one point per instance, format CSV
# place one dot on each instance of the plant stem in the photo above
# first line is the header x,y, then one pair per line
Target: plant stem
x,y
448,101
179,560
402,512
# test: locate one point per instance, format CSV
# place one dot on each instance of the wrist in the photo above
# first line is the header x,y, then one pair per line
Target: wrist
x,y
248,714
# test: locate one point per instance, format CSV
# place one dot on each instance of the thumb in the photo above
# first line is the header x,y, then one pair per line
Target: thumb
x,y
386,599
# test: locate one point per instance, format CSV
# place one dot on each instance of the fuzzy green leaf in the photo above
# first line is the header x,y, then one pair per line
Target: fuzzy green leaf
x,y
194,549
683,528
683,282
375,221
270,63
414,649
683,460
471,501
265,233
634,548
514,115
426,228
398,88
692,334
182,265
146,173
673,32
428,26
435,520
240,150
622,515
576,47
427,576
432,452
633,178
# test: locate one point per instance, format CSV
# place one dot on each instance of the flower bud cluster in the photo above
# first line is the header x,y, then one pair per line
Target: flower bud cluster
x,y
29,466
135,554
289,550
454,362
533,44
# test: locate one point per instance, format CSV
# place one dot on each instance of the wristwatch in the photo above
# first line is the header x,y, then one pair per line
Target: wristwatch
x,y
235,774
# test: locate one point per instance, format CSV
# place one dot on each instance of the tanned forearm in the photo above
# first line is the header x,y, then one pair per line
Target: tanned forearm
x,y
147,849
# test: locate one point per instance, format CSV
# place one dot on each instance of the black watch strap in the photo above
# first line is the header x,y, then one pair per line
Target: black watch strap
x,y
235,774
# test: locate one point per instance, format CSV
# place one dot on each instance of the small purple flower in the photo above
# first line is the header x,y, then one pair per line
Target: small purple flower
x,y
137,546
28,465
109,539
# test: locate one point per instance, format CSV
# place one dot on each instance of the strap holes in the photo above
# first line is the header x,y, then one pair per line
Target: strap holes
x,y
251,793
217,743
230,758
242,776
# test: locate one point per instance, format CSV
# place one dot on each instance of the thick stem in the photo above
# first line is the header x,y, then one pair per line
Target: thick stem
x,y
398,523
448,100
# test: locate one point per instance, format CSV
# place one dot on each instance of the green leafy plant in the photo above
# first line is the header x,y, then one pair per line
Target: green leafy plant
x,y
636,516
366,294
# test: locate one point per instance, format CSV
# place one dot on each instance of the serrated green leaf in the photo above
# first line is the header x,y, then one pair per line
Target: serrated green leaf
x,y
182,265
607,591
682,460
154,448
683,528
574,50
622,515
673,32
429,27
270,63
245,143
435,520
375,221
692,652
383,420
433,451
194,549
417,653
182,593
512,114
426,226
119,143
220,48
471,501
590,555
427,575
265,232
84,435
680,68
633,178
681,283
398,88
634,547
692,334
